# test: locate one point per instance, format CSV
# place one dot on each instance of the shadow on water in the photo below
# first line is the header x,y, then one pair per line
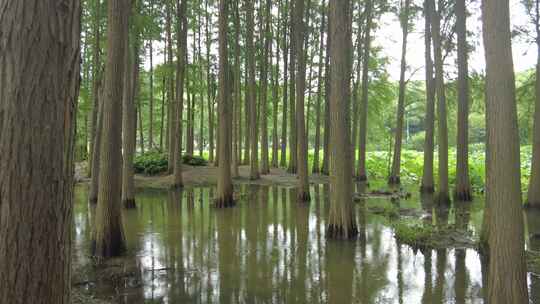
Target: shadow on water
x,y
272,249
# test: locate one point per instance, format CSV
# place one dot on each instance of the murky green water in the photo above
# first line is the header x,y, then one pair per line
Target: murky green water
x,y
271,249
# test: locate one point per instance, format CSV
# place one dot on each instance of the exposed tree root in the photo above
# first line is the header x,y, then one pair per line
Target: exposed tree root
x,y
443,199
342,232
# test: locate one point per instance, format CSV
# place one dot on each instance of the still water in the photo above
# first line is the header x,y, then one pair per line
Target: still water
x,y
271,249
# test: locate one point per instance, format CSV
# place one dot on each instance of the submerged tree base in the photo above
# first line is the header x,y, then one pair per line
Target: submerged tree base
x,y
224,202
463,195
342,232
443,199
303,196
92,200
394,180
112,248
427,189
129,203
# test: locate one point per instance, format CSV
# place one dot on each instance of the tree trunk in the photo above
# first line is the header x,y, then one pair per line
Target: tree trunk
x,y
209,85
265,159
428,183
362,141
326,144
254,168
283,162
507,279
275,93
293,144
151,103
341,218
96,79
443,193
463,186
36,148
224,189
236,103
129,122
533,195
178,181
356,89
303,180
396,160
108,239
201,96
172,121
316,161
94,180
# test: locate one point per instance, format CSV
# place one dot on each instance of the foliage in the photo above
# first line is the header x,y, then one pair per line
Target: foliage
x,y
415,235
155,162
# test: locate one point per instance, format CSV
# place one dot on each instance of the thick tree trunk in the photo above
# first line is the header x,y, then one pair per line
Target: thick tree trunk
x,y
428,182
341,218
286,45
443,193
533,195
129,122
293,144
263,114
254,161
275,94
396,160
94,179
362,141
108,239
224,189
462,192
36,148
316,162
178,180
507,279
302,150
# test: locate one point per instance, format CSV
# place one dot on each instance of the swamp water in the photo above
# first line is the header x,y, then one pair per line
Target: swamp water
x,y
271,249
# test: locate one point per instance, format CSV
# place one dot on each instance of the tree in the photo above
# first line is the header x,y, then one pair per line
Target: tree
x,y
507,282
96,79
36,148
172,121
428,183
396,160
341,220
224,189
293,143
533,195
108,239
462,192
362,170
316,162
94,179
286,46
443,193
265,159
254,157
302,149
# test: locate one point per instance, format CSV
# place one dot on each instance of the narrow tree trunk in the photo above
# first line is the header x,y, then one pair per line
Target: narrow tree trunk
x,y
225,189
428,183
162,111
96,79
283,159
533,195
275,93
209,84
254,168
236,103
36,148
172,121
303,180
108,239
356,94
463,186
341,218
362,140
327,91
141,128
443,193
396,160
265,159
247,101
293,144
151,104
201,95
94,180
181,35
507,279
316,161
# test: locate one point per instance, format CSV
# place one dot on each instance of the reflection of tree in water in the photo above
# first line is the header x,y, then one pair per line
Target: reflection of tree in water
x,y
461,282
227,254
533,229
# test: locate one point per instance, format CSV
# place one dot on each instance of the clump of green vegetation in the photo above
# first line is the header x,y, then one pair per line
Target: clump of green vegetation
x,y
153,163
415,235
389,211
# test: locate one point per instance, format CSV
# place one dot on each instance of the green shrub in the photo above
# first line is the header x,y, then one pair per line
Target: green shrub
x,y
153,163
414,235
194,160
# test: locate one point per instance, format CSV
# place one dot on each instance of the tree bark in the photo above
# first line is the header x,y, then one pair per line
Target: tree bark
x,y
326,144
178,180
265,159
443,193
462,192
224,189
341,218
37,120
533,194
172,121
286,45
96,79
254,168
293,144
109,239
317,148
151,102
275,92
428,182
396,160
94,179
236,103
507,279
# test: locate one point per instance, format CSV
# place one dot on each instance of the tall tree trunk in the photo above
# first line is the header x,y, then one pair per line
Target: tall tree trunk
x,y
265,159
247,101
507,279
209,84
341,217
129,122
327,91
463,186
293,144
443,193
94,180
96,79
108,239
316,161
37,127
286,45
151,102
533,195
181,28
303,180
428,183
356,89
172,121
225,189
201,95
162,110
362,141
275,91
396,160
236,102
254,168
141,128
